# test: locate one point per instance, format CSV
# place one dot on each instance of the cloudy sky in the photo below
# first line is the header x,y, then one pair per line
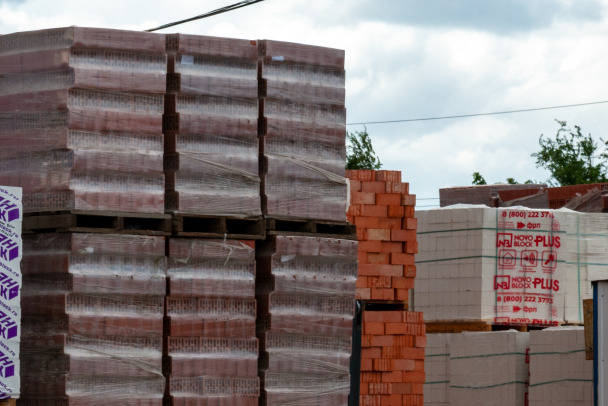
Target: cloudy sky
x,y
413,60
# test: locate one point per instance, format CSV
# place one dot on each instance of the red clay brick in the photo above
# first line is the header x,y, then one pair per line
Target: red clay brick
x,y
410,223
392,223
379,389
373,187
361,283
354,210
392,376
366,364
412,400
370,210
402,388
382,364
382,341
411,247
380,270
404,340
390,246
379,234
382,294
379,258
374,317
376,329
403,235
371,377
391,400
362,198
396,211
409,271
379,281
367,222
411,353
361,234
414,317
419,342
363,293
388,176
371,352
402,282
388,199
370,246
418,365
395,328
397,187
355,185
366,341
402,295
404,364
408,200
362,257
409,211
399,258
414,376
417,388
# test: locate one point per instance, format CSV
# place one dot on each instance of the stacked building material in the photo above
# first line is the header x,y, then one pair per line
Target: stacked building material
x,y
211,344
210,126
86,105
302,131
92,319
437,370
392,358
510,266
489,368
383,211
305,292
559,372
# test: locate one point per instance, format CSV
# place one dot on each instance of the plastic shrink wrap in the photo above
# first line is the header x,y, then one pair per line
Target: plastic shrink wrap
x,y
508,266
92,319
212,350
81,118
302,131
305,291
210,125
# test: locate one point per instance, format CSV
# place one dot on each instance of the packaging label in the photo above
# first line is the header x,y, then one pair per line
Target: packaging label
x,y
11,250
529,247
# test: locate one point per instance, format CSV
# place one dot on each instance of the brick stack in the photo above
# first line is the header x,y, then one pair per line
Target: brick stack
x,y
210,126
392,358
383,211
393,341
211,348
86,105
305,292
302,131
92,319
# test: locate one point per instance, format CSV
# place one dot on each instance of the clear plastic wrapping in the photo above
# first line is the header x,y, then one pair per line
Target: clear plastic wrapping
x,y
212,103
59,84
92,328
305,313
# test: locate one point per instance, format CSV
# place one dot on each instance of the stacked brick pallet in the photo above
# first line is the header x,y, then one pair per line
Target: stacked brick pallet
x,y
393,341
210,126
86,105
305,295
302,131
92,319
212,351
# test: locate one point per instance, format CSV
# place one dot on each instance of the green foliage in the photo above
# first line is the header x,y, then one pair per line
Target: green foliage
x,y
360,152
572,158
478,179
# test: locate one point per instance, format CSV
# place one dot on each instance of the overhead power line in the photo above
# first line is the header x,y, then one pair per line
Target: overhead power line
x,y
477,114
209,14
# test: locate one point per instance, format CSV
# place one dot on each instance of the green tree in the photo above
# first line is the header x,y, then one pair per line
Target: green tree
x,y
360,152
478,179
572,158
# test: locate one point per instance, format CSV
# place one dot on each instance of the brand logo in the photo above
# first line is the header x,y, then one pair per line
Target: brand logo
x,y
9,288
504,240
8,326
8,211
502,282
9,249
7,366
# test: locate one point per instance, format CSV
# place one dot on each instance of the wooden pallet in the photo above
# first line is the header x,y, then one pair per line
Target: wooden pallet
x,y
314,228
98,222
384,305
8,402
203,226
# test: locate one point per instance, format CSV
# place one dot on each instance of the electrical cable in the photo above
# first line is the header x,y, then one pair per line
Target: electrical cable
x,y
209,14
477,114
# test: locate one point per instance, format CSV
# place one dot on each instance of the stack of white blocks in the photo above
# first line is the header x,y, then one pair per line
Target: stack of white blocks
x,y
559,373
459,258
437,370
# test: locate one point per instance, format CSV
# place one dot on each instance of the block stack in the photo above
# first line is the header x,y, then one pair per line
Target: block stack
x,y
559,373
302,131
211,347
392,358
437,370
210,126
393,339
86,105
306,292
92,319
383,212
